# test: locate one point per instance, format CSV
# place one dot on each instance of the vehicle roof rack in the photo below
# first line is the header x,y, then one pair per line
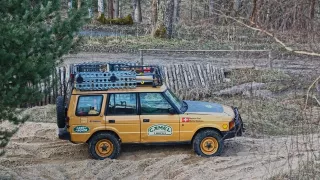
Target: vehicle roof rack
x,y
114,75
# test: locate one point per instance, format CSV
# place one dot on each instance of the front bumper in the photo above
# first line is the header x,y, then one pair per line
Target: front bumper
x,y
238,129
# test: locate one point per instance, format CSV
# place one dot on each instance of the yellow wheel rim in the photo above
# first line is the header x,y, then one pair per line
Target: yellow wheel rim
x,y
104,148
209,145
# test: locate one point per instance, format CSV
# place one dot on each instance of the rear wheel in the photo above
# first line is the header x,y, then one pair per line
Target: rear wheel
x,y
208,143
104,145
61,119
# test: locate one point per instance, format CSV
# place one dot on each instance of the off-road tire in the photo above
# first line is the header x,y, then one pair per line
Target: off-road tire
x,y
207,134
61,119
101,136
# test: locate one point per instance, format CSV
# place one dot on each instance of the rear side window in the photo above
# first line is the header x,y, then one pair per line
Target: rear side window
x,y
122,104
89,105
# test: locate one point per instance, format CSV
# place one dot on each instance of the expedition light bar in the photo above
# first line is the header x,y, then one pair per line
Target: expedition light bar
x,y
113,75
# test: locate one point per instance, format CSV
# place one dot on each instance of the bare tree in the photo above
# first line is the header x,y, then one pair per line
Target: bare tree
x,y
312,8
254,11
176,11
116,8
169,17
100,8
191,9
154,17
70,4
133,5
137,11
120,9
79,4
211,8
110,9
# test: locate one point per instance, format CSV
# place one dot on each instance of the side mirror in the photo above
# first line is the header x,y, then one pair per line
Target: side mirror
x,y
172,111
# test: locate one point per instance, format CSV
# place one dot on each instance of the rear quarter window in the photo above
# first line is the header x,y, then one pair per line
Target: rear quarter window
x,y
89,105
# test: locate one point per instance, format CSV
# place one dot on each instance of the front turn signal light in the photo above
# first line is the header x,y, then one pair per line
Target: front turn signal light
x,y
231,124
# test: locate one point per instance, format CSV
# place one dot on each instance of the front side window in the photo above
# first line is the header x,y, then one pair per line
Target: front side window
x,y
122,104
154,103
89,105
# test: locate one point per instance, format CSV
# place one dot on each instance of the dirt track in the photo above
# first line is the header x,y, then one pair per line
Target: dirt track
x,y
34,152
297,65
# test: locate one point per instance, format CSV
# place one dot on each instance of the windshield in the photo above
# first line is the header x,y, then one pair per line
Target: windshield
x,y
177,102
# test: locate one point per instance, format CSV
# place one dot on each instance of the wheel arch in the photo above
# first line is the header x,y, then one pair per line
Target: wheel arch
x,y
203,129
101,131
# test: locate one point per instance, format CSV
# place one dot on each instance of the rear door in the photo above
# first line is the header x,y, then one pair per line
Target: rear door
x,y
157,124
122,116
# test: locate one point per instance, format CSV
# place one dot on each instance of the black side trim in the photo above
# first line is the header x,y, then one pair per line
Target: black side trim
x,y
161,143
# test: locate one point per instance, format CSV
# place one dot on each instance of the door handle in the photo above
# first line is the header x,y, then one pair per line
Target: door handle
x,y
146,120
112,121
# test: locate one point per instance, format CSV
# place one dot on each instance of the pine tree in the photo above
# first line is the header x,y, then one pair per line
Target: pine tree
x,y
33,37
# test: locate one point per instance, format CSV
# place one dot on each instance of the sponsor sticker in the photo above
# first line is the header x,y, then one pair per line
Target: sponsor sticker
x,y
81,129
160,130
189,119
185,119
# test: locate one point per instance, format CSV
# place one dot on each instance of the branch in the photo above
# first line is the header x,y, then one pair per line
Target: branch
x,y
314,97
258,28
314,82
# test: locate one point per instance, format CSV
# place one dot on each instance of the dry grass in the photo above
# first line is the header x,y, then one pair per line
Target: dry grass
x,y
281,113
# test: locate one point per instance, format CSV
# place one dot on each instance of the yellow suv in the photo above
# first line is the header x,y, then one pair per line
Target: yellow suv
x,y
111,106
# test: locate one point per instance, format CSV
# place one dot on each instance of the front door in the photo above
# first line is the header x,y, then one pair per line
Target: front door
x,y
157,124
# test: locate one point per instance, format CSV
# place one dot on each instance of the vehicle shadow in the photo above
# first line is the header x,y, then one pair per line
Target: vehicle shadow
x,y
141,151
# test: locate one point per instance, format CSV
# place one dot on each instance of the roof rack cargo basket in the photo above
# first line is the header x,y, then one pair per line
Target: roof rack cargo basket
x,y
114,75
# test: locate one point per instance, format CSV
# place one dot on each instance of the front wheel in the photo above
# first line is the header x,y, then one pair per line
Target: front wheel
x,y
208,143
104,145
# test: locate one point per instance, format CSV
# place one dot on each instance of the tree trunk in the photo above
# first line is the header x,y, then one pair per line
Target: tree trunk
x,y
70,4
100,8
176,12
137,12
154,17
312,9
254,12
134,5
116,8
90,14
120,9
110,9
191,9
79,4
237,5
169,17
211,8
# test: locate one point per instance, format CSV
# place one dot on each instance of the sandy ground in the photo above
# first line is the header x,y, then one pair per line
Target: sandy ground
x,y
34,152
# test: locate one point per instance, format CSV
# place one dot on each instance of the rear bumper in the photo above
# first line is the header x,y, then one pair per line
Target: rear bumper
x,y
238,129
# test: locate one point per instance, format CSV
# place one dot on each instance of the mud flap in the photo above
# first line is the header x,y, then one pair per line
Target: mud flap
x,y
63,134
